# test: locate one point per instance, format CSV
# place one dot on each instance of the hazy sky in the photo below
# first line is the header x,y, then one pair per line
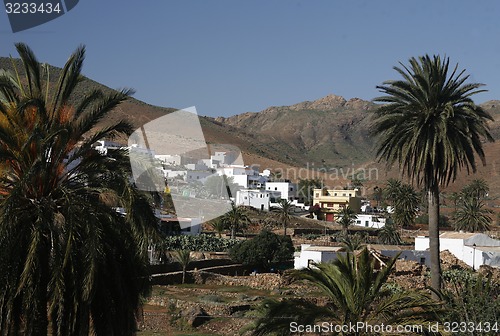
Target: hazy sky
x,y
229,57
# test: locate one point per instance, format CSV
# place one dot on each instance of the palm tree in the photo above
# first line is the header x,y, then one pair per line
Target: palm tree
x,y
455,198
351,243
405,206
355,293
219,226
471,216
306,189
478,188
389,234
284,208
431,127
66,254
183,257
345,216
392,190
235,219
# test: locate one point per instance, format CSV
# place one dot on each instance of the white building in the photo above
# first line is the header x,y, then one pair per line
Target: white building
x,y
198,175
170,174
475,249
171,160
221,159
309,254
239,174
200,165
371,221
254,198
288,190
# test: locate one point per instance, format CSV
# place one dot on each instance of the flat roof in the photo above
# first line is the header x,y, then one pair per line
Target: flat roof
x,y
381,247
458,235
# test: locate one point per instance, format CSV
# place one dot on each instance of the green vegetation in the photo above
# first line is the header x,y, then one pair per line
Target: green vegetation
x,y
470,298
67,256
351,243
183,257
470,213
284,209
355,293
432,128
263,250
404,200
306,189
203,242
236,219
344,217
389,234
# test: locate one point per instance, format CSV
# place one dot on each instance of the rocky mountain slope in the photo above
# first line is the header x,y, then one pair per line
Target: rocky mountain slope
x,y
330,132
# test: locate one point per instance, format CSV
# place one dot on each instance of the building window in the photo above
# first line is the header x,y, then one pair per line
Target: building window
x,y
317,194
358,222
335,194
275,188
367,223
422,261
343,194
291,189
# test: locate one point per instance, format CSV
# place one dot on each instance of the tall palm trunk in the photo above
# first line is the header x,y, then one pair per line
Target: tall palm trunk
x,y
40,300
434,237
233,231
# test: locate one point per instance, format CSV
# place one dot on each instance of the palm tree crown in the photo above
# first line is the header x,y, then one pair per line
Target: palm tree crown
x,y
345,216
235,219
66,254
429,123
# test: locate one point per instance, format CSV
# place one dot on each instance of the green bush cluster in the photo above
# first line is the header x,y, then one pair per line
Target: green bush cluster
x,y
263,250
203,242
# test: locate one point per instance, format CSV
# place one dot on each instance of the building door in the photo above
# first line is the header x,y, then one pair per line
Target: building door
x,y
329,217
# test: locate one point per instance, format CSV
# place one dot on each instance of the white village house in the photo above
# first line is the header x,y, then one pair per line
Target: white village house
x,y
255,198
475,249
314,254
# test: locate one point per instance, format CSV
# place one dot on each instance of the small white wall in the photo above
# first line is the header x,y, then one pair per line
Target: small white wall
x,y
303,258
421,243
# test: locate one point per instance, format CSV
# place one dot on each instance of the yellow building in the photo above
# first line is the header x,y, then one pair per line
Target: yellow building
x,y
330,201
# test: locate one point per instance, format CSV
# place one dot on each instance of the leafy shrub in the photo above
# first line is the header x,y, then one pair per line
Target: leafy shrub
x,y
205,243
470,297
263,250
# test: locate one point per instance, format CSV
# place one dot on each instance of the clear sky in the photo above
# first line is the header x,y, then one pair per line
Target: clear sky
x,y
230,57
